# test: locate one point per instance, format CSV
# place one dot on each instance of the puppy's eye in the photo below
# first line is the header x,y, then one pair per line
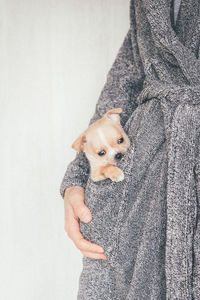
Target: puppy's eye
x,y
101,153
120,140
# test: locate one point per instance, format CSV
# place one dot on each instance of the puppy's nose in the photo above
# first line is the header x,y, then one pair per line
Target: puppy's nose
x,y
118,156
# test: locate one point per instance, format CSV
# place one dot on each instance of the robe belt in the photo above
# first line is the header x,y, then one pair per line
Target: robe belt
x,y
176,93
184,128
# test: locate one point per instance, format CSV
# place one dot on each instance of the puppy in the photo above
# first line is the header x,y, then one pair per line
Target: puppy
x,y
104,143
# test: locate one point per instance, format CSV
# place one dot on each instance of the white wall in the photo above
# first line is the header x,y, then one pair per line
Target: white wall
x,y
54,57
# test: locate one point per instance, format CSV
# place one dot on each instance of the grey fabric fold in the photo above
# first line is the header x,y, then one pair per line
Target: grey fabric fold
x,y
182,200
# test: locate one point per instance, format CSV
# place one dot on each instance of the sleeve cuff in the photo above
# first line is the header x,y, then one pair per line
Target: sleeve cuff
x,y
75,182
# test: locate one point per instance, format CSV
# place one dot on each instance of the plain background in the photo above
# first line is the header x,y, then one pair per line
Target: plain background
x,y
54,58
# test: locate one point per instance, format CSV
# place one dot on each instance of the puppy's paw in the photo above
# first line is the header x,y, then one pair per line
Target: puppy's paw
x,y
120,177
117,174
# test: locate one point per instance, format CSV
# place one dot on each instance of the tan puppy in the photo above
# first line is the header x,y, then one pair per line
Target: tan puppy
x,y
104,143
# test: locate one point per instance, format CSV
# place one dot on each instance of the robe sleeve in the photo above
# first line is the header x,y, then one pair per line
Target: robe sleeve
x,y
122,86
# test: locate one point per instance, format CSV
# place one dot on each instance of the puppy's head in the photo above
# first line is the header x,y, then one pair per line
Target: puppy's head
x,y
104,142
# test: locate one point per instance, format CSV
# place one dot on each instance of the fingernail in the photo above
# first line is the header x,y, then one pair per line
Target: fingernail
x,y
87,218
101,250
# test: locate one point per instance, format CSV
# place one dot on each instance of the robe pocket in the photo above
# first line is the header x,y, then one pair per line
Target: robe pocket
x,y
103,198
98,193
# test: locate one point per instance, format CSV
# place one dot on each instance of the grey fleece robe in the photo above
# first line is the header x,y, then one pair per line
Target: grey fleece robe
x,y
149,223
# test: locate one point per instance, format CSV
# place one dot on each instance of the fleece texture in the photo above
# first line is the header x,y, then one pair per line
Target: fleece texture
x,y
149,224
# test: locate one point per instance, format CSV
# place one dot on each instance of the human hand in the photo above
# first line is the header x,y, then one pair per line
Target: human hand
x,y
76,210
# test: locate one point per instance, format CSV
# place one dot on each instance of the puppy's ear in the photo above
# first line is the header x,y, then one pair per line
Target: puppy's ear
x,y
79,143
113,114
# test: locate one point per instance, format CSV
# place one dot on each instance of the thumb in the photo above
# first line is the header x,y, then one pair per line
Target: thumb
x,y
83,212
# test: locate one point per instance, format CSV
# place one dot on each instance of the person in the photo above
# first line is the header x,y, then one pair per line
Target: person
x,y
121,228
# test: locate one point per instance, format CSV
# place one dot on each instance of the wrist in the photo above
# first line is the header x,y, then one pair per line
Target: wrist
x,y
74,188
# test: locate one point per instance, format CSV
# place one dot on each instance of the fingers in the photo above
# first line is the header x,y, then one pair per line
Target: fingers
x,y
75,210
94,255
81,211
78,239
76,200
